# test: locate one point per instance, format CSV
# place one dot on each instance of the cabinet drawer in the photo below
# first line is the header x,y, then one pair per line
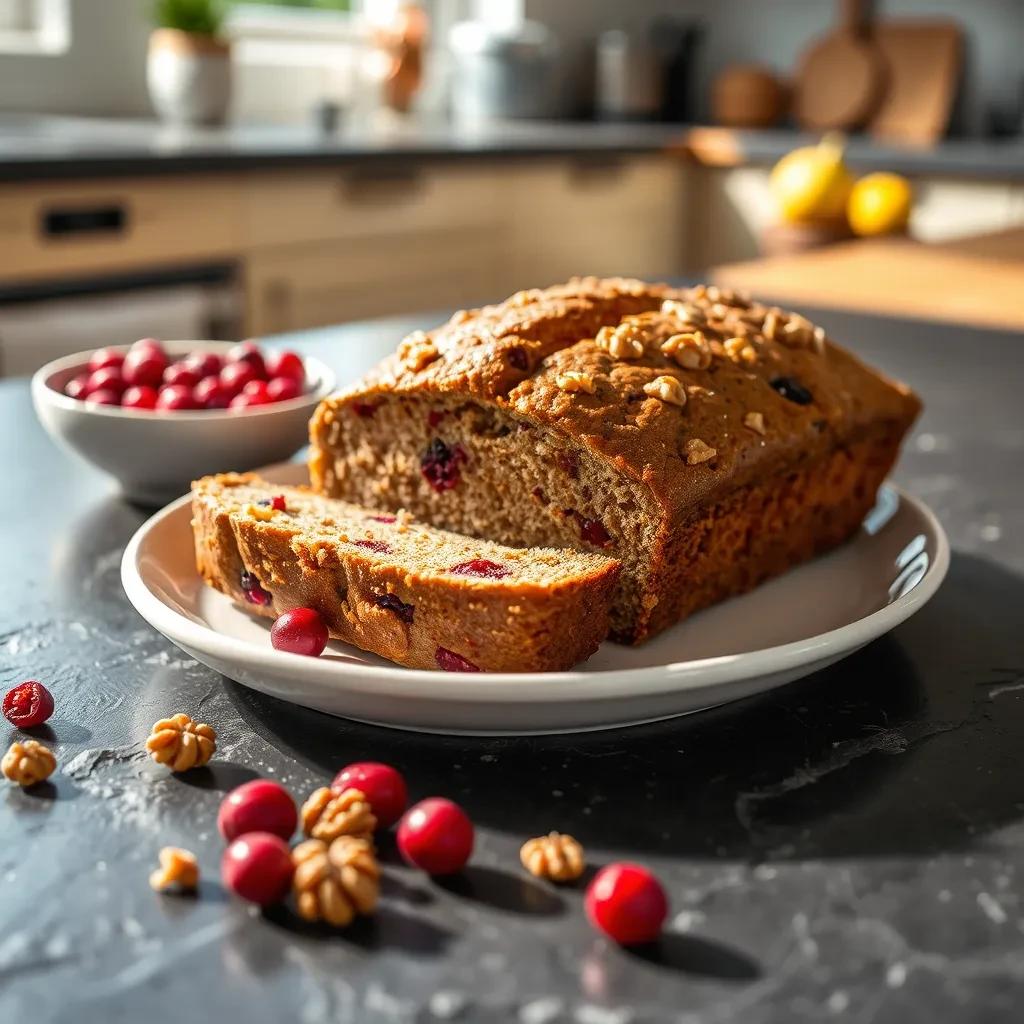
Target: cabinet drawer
x,y
61,229
360,201
323,283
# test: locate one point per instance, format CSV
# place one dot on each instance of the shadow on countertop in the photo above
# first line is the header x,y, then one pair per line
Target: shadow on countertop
x,y
908,746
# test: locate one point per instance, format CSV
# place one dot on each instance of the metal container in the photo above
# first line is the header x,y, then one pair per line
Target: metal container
x,y
499,73
630,77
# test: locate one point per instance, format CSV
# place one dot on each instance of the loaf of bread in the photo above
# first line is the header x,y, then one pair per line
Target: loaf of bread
x,y
705,441
415,595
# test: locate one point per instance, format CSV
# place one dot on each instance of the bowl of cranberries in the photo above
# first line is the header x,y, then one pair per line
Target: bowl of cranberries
x,y
157,415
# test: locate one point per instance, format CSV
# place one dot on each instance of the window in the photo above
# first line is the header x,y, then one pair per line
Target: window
x,y
34,26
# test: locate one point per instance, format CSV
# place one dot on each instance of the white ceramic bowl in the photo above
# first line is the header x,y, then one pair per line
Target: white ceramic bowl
x,y
155,456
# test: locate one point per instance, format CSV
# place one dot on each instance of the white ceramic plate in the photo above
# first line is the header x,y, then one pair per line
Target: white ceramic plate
x,y
785,629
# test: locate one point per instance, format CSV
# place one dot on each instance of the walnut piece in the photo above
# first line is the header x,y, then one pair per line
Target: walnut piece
x,y
417,351
556,856
180,743
754,421
574,380
326,815
262,512
697,451
335,882
28,762
623,342
178,868
668,389
690,350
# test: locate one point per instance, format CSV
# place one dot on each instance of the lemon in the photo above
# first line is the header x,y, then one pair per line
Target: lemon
x,y
880,204
812,183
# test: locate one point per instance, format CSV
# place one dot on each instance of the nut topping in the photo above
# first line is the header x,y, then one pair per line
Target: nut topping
x,y
327,816
335,882
697,451
691,351
180,743
668,389
417,351
574,380
556,856
623,342
28,762
177,868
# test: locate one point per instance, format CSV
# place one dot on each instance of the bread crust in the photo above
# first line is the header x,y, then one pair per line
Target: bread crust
x,y
543,361
494,625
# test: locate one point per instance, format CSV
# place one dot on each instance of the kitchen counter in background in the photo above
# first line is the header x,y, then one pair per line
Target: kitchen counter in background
x,y
850,846
34,147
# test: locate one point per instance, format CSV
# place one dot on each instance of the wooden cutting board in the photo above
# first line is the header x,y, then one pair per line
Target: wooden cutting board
x,y
974,280
841,78
923,61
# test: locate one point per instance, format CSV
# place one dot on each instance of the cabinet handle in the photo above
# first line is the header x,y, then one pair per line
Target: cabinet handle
x,y
383,184
71,221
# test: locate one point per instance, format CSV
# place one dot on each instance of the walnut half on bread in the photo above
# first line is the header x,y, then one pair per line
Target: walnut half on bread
x,y
496,437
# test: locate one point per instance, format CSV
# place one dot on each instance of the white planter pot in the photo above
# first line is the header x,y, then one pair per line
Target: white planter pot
x,y
189,77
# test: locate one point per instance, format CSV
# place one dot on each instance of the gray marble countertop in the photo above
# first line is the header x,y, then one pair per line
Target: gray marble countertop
x,y
848,847
42,146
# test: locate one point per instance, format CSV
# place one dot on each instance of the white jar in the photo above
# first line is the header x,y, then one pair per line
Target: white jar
x,y
189,77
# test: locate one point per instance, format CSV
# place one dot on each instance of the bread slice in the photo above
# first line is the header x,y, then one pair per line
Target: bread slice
x,y
705,441
418,596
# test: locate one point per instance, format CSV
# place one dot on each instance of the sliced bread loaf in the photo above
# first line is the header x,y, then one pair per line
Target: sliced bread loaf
x,y
418,596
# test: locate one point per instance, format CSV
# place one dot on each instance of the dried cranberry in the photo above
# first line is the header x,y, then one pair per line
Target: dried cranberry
x,y
278,504
235,376
365,409
393,603
481,567
254,593
210,393
568,463
205,364
181,373
283,389
374,545
299,631
434,417
175,398
139,398
29,703
286,364
593,532
384,519
440,465
103,397
77,387
792,390
248,352
382,785
452,662
107,378
144,367
104,358
518,359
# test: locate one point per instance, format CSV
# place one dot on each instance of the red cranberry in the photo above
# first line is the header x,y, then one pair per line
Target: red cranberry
x,y
440,465
180,373
481,567
105,358
235,376
139,398
258,867
452,662
148,345
593,532
248,352
257,806
205,364
108,378
299,631
384,519
256,389
144,368
518,358
382,785
627,903
283,389
278,503
29,703
434,417
254,593
77,387
377,546
393,603
103,397
436,836
175,398
240,402
365,409
286,364
209,393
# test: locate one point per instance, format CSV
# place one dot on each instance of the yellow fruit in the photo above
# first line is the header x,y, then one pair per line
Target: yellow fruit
x,y
880,204
812,183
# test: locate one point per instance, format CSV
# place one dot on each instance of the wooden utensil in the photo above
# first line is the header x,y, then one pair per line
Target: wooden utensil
x,y
841,78
747,96
923,61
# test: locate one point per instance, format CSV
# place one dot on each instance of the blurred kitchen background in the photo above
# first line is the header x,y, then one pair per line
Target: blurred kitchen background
x,y
194,169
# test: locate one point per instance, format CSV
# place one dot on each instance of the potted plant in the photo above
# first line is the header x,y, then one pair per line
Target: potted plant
x,y
188,69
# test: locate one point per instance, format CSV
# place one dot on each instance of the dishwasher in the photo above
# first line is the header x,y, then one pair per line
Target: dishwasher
x,y
40,322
